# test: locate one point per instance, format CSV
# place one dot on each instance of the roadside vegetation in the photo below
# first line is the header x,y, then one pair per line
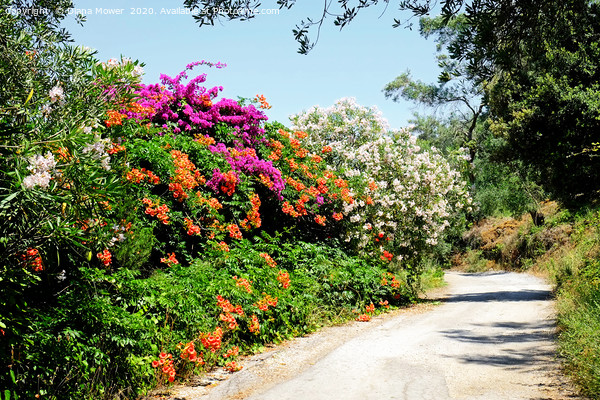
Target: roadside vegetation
x,y
154,231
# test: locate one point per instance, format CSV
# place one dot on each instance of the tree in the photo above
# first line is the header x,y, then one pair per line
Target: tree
x,y
455,88
501,185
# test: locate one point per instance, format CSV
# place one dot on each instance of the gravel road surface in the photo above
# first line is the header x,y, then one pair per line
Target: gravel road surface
x,y
491,338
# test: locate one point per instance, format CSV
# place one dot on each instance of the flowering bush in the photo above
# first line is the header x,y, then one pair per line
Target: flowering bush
x,y
405,196
166,231
58,182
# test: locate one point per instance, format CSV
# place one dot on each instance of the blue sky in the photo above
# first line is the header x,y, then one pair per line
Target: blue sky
x,y
261,54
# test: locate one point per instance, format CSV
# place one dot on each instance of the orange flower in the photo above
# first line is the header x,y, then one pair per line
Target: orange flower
x,y
214,203
293,164
341,183
34,260
234,231
154,210
266,302
115,148
263,102
301,134
270,262
302,153
212,341
114,118
319,219
204,139
169,261
232,366
206,102
284,279
165,360
230,319
253,216
105,257
299,186
287,208
265,180
224,304
186,175
223,246
254,326
232,352
188,352
245,283
231,180
63,154
191,228
387,256
283,133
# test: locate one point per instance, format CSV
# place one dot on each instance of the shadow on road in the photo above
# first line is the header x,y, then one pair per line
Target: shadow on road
x,y
503,295
521,332
537,354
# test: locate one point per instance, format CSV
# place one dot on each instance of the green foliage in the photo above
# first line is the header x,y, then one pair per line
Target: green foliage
x,y
442,133
580,338
577,273
541,86
456,89
503,189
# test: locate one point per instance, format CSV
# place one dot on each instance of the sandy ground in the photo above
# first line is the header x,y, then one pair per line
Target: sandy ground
x,y
490,338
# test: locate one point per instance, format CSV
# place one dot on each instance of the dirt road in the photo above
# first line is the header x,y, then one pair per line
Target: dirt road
x,y
491,338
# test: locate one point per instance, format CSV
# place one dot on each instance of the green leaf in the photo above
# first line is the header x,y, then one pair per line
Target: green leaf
x,y
7,199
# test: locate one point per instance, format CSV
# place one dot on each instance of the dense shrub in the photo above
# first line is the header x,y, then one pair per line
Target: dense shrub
x,y
410,195
153,231
168,222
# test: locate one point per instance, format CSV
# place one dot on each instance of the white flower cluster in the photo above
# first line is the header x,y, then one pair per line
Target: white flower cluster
x,y
42,168
136,72
119,235
344,124
57,94
97,150
409,196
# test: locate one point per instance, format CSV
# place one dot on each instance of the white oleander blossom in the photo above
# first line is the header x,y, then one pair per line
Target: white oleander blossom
x,y
42,168
41,179
57,94
46,110
137,71
97,150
